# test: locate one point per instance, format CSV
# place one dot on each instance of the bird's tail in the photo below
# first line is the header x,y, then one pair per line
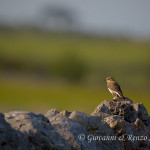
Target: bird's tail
x,y
121,95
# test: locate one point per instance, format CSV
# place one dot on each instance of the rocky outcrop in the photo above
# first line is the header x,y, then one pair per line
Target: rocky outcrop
x,y
11,139
126,108
37,129
128,120
113,125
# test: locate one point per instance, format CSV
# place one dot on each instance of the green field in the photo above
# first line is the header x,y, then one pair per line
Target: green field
x,y
24,94
41,71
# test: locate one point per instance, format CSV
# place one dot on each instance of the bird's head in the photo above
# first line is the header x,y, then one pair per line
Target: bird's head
x,y
109,79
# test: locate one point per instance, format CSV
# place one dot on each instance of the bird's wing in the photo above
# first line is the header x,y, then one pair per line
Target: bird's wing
x,y
114,86
118,89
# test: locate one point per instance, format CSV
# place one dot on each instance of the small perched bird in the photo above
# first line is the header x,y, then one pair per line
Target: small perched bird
x,y
114,88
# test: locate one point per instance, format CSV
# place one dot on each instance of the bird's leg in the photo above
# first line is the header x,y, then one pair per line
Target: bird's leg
x,y
117,95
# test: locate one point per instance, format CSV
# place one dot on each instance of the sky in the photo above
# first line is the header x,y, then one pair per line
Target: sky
x,y
130,17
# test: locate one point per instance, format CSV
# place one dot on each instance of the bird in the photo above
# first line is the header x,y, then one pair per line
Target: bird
x,y
114,88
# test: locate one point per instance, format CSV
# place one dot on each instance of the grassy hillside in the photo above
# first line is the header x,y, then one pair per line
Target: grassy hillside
x,y
71,70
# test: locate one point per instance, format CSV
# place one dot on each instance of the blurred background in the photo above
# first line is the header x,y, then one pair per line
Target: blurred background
x,y
57,54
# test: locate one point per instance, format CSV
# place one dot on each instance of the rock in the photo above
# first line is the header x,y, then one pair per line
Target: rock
x,y
37,129
122,124
124,107
91,123
139,124
97,127
65,113
100,114
141,112
103,107
51,113
70,130
108,139
122,129
119,124
11,139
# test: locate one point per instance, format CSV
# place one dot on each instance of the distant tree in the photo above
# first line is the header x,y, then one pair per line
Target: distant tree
x,y
58,18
